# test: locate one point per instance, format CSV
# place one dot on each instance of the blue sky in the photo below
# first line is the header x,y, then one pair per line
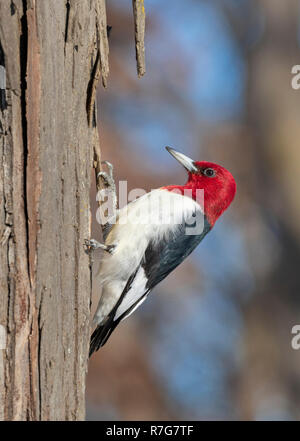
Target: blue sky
x,y
215,86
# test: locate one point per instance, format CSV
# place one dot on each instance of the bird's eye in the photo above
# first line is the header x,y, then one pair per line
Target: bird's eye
x,y
209,172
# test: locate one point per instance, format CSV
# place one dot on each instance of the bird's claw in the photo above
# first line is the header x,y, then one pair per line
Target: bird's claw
x,y
107,177
109,166
92,244
109,190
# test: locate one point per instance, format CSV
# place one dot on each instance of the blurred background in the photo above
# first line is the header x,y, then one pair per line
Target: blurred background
x,y
213,341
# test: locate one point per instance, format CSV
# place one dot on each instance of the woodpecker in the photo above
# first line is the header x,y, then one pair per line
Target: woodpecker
x,y
152,235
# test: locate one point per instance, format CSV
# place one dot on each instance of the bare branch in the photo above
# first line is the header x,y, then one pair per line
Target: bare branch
x,y
139,28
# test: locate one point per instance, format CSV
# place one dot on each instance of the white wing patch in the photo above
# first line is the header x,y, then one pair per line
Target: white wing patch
x,y
135,293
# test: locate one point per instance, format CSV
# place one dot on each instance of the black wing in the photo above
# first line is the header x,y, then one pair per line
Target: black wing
x,y
162,258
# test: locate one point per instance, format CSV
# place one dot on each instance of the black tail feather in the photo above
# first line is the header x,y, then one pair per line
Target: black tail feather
x,y
100,336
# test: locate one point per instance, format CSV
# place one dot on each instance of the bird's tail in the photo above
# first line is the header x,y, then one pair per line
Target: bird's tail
x,y
102,332
100,336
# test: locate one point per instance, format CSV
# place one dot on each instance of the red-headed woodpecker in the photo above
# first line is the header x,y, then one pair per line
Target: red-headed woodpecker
x,y
152,235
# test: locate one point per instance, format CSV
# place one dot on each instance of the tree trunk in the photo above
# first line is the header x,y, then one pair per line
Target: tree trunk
x,y
48,51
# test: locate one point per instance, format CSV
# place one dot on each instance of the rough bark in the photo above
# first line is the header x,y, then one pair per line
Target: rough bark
x,y
46,155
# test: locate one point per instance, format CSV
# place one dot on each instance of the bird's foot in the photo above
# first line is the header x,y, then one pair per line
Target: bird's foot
x,y
107,178
92,244
109,183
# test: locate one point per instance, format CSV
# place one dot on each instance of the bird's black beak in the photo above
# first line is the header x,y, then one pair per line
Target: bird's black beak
x,y
187,162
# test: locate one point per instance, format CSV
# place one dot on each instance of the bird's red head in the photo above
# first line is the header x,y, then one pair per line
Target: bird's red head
x,y
218,184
